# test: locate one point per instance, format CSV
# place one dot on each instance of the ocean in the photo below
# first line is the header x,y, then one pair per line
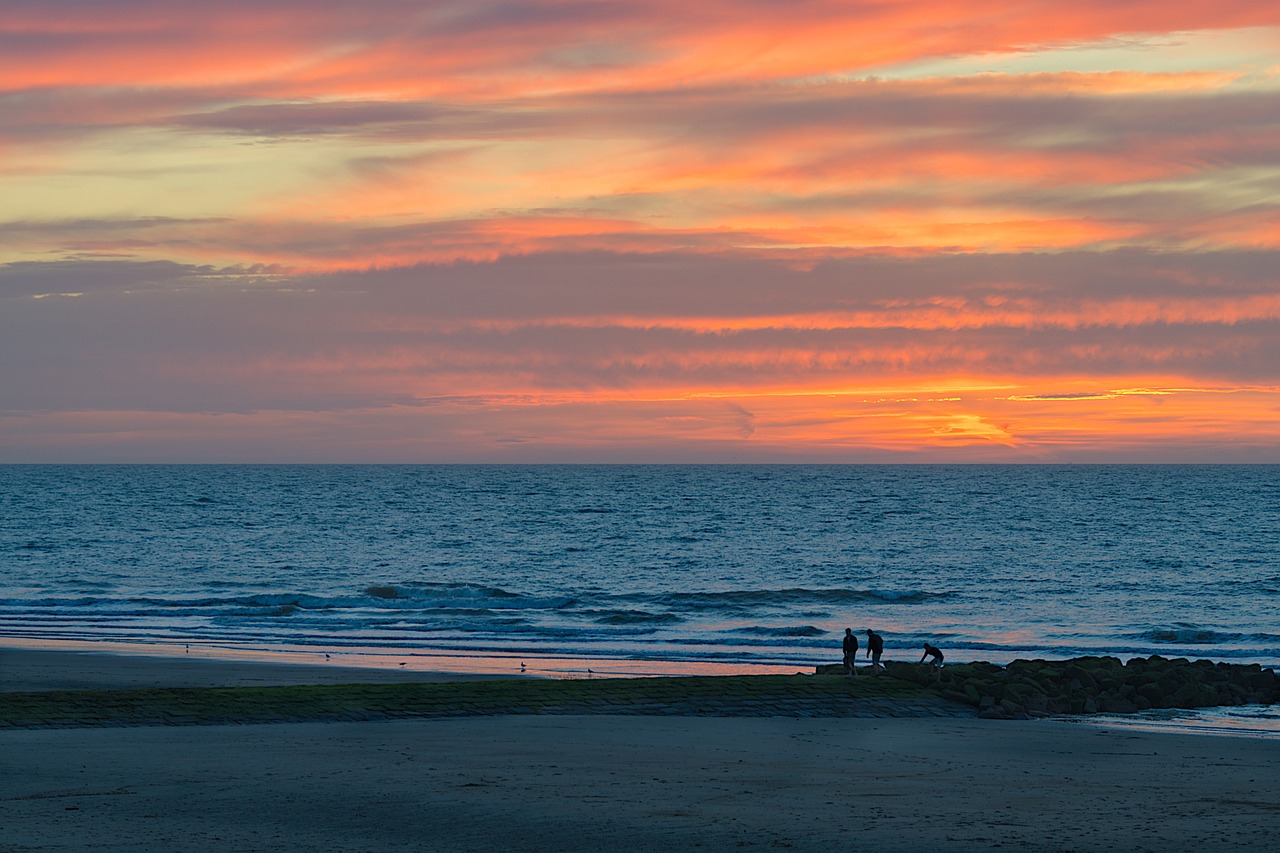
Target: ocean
x,y
661,566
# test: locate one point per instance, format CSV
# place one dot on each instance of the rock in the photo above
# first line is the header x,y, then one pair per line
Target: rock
x,y
1185,697
1089,685
1152,694
1079,676
1113,703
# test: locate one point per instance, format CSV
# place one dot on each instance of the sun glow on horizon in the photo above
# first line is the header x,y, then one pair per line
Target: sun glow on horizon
x,y
1023,232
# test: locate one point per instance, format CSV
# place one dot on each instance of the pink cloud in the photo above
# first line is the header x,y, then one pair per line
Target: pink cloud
x,y
531,230
294,49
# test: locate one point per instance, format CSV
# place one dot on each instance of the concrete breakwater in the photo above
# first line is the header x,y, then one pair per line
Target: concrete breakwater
x,y
1090,685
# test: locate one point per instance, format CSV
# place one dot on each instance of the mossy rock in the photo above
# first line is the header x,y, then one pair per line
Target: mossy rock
x,y
1152,694
1079,674
1185,696
1093,684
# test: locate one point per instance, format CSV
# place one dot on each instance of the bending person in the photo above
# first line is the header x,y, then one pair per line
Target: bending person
x,y
932,652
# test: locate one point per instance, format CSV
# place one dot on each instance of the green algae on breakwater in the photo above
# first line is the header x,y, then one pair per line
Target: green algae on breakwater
x,y
1091,685
756,695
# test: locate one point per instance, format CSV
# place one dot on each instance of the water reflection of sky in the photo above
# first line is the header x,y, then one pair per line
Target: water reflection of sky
x,y
1241,721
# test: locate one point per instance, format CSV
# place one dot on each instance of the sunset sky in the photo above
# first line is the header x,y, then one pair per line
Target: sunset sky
x,y
587,230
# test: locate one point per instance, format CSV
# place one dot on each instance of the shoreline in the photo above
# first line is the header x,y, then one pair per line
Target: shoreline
x,y
35,667
438,665
42,669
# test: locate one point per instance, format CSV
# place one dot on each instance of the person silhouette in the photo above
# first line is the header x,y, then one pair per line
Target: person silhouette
x,y
932,652
875,648
850,652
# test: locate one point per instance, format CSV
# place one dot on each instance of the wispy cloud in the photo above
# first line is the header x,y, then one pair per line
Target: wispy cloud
x,y
733,228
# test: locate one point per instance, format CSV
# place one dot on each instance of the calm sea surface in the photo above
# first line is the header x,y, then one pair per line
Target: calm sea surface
x,y
735,564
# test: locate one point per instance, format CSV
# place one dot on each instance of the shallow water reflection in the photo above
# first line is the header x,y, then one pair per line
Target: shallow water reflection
x,y
1239,720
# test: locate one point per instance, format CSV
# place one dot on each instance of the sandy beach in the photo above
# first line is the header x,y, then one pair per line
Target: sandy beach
x,y
613,782
48,669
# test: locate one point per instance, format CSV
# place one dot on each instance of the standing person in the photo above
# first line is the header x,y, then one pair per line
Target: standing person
x,y
850,652
875,648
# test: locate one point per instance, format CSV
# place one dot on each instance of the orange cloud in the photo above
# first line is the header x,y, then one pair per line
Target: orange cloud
x,y
977,427
923,315
298,50
494,230
497,135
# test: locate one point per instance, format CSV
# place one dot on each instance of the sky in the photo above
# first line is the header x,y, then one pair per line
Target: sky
x,y
600,231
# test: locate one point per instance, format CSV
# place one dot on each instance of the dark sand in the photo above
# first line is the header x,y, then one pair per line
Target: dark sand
x,y
614,782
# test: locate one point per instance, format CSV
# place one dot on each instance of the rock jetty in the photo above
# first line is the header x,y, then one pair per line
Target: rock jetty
x,y
1090,685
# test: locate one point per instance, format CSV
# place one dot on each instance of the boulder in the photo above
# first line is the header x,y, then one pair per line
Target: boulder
x,y
1152,694
1091,685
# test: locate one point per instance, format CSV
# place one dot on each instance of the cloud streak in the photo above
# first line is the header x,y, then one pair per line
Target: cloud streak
x,y
749,231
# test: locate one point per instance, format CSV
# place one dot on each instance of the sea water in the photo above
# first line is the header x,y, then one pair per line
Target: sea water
x,y
743,565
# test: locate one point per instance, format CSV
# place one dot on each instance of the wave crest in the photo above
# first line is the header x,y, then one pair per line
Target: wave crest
x,y
785,631
796,596
1194,635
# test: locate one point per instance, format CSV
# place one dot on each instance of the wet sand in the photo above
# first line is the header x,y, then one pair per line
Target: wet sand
x,y
624,783
23,669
